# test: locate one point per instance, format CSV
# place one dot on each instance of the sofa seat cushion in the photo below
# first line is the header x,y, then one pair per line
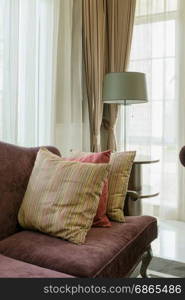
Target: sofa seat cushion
x,y
107,252
12,268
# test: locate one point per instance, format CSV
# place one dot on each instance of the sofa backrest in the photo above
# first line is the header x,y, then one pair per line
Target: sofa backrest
x,y
16,164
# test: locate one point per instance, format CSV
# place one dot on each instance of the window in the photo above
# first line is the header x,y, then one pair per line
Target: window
x,y
151,128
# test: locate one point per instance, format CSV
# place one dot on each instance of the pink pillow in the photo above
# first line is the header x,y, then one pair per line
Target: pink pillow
x,y
100,220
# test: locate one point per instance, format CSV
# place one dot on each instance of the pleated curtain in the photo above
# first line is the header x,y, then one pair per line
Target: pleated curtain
x,y
94,25
107,34
120,21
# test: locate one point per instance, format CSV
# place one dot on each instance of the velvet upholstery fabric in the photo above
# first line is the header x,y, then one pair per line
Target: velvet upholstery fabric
x,y
16,164
11,268
108,252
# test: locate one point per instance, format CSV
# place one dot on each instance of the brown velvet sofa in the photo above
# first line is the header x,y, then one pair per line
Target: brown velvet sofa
x,y
108,252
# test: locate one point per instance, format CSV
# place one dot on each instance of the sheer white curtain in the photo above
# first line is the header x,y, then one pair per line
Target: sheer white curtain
x,y
71,116
28,48
181,97
153,129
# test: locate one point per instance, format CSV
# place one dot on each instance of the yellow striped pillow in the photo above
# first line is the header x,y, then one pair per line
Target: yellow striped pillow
x,y
120,168
62,197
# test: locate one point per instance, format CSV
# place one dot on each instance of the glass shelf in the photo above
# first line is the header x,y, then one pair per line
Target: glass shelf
x,y
147,191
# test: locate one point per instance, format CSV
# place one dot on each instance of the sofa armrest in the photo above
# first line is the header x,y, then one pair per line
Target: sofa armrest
x,y
182,156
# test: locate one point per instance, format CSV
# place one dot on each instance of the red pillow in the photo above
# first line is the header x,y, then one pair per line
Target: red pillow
x,y
100,220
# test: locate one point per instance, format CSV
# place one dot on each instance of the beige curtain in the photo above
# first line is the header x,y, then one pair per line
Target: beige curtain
x,y
94,24
120,20
69,97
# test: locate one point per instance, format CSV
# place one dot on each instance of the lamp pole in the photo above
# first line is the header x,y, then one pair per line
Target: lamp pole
x,y
125,124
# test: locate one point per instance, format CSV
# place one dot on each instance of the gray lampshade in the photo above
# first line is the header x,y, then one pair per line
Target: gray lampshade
x,y
125,88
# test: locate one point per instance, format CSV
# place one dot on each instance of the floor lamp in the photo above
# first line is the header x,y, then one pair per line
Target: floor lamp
x,y
125,88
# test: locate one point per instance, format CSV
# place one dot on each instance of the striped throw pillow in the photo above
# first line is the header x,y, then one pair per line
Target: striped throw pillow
x,y
62,197
100,220
120,168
